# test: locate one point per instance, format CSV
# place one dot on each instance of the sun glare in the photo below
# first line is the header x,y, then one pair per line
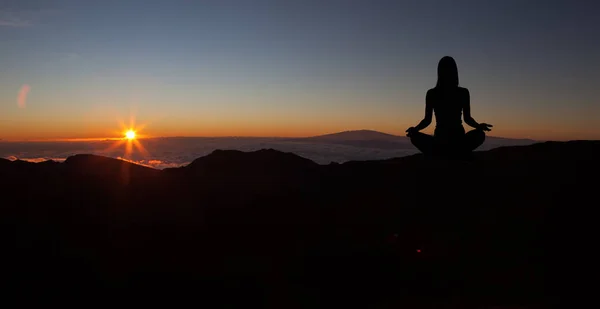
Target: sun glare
x,y
131,140
130,134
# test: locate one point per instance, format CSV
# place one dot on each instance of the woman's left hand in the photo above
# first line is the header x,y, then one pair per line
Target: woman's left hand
x,y
485,127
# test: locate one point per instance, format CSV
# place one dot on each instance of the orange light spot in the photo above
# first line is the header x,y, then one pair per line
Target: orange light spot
x,y
130,134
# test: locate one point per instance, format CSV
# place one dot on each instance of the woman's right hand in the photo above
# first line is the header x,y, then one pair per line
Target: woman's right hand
x,y
485,127
410,131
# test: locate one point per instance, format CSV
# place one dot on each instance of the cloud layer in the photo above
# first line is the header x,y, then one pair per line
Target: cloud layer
x,y
173,152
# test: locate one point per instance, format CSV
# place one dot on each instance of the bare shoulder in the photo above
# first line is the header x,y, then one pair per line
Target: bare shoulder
x,y
431,92
463,94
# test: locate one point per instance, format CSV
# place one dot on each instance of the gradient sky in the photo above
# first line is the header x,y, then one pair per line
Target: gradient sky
x,y
73,69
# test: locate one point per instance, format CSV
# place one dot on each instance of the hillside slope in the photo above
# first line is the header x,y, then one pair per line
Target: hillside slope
x,y
276,230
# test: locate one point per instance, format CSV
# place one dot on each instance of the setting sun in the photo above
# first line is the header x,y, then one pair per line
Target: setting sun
x,y
130,134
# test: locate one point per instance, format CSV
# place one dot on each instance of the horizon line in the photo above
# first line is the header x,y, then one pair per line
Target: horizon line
x,y
99,139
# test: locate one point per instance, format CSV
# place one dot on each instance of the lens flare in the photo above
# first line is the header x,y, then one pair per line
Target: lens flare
x,y
130,134
131,140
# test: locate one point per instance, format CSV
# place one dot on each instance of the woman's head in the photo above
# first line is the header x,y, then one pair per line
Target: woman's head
x,y
447,73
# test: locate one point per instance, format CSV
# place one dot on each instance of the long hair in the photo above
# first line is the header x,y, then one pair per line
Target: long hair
x,y
447,73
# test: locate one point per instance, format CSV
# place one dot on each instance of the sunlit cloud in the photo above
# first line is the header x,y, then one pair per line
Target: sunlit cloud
x,y
22,96
44,159
153,163
156,164
138,162
36,159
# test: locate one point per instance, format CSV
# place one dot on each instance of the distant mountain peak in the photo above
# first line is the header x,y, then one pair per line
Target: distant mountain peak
x,y
359,138
357,135
361,131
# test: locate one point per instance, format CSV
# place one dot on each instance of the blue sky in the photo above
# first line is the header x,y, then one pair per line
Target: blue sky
x,y
293,67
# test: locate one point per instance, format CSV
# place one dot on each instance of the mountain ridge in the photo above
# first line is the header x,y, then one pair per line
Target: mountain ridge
x,y
277,230
226,154
172,152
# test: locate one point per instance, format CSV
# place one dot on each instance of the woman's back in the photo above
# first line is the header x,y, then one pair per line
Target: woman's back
x,y
447,103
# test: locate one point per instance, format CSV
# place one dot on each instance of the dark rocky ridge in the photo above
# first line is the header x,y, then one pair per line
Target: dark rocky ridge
x,y
276,230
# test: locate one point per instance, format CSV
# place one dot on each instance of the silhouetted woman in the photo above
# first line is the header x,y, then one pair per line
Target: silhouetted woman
x,y
448,101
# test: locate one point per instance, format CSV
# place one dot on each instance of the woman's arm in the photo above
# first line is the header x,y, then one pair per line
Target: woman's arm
x,y
467,110
467,114
428,114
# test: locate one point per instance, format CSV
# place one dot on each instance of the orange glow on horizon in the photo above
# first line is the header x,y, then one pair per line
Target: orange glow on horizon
x,y
76,130
96,135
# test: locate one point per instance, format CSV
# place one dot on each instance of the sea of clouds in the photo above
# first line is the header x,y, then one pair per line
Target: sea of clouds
x,y
178,151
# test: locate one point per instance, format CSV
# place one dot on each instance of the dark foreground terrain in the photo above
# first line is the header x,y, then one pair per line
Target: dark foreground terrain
x,y
271,229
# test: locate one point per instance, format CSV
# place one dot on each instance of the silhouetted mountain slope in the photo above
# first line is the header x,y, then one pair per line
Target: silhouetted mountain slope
x,y
246,174
88,164
273,229
265,160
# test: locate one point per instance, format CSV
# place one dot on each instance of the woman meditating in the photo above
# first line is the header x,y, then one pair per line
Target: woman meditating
x,y
448,101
